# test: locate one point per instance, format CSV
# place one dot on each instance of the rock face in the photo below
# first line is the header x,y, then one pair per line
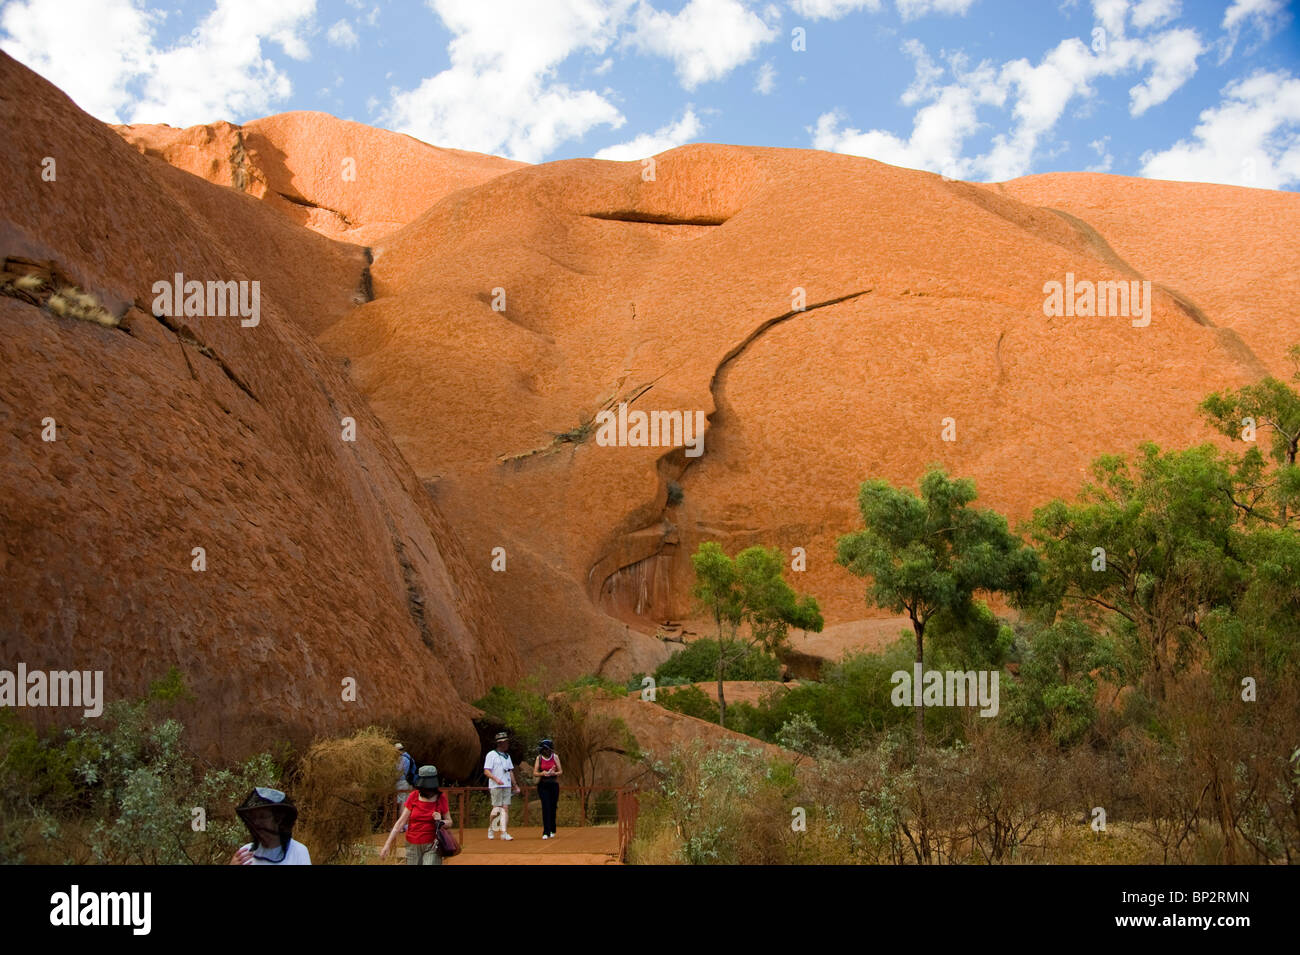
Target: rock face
x,y
339,178
827,319
327,564
827,315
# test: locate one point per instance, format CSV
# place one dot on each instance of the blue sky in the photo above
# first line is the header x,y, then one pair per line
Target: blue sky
x,y
987,90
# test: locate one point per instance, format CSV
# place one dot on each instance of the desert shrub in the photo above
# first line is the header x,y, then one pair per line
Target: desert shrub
x,y
698,662
724,804
800,733
120,789
72,302
851,705
689,700
591,680
340,785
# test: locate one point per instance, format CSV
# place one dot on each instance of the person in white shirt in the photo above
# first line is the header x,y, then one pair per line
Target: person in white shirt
x,y
499,769
269,816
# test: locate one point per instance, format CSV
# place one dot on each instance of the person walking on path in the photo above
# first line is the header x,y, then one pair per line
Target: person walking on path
x,y
425,809
499,769
406,768
546,767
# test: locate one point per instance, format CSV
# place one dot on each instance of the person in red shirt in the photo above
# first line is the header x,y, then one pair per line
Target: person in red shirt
x,y
425,808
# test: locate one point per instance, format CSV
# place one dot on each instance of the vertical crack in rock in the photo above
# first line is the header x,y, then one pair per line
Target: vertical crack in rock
x,y
674,461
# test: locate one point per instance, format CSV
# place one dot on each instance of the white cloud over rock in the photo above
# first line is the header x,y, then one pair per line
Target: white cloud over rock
x,y
106,56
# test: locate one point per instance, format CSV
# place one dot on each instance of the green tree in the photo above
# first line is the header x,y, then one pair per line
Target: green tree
x,y
1152,546
748,591
929,555
1271,406
1057,688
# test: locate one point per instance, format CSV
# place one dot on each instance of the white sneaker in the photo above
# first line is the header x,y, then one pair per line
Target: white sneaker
x,y
507,837
546,837
491,834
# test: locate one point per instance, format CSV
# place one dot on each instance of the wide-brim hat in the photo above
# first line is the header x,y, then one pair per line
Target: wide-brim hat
x,y
502,737
263,797
427,778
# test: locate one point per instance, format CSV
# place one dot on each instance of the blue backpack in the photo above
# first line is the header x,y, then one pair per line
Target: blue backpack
x,y
411,771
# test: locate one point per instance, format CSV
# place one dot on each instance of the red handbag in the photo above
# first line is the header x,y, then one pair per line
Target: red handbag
x,y
447,844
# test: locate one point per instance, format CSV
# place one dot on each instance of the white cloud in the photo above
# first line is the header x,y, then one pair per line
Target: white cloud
x,y
939,129
911,9
1036,95
661,140
765,81
1252,138
93,50
907,9
1105,159
1151,13
1265,16
706,39
1173,55
341,34
500,92
1240,11
1110,14
831,9
219,72
104,55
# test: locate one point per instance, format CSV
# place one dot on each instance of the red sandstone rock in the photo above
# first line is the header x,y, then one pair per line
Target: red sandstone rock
x,y
923,301
326,560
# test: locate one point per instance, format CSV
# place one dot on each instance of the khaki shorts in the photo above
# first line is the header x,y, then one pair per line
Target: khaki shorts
x,y
500,795
426,854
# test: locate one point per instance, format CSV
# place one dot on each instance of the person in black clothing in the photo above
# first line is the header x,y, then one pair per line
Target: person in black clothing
x,y
546,769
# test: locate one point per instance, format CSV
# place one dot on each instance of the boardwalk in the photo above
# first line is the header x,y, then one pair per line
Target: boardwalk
x,y
586,845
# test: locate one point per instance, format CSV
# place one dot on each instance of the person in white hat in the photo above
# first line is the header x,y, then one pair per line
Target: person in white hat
x,y
499,769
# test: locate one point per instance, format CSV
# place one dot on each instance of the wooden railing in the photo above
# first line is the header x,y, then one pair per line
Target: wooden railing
x,y
625,804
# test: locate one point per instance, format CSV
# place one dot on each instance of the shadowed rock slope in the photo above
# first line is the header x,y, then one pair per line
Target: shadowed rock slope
x,y
326,559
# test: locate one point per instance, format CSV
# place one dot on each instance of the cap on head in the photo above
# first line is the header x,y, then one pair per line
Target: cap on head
x,y
502,737
427,778
545,745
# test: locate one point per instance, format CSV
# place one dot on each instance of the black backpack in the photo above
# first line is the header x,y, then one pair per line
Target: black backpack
x,y
412,770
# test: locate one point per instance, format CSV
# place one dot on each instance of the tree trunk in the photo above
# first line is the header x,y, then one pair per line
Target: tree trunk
x,y
920,699
722,699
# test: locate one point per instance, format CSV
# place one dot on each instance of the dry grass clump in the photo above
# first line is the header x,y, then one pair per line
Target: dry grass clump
x,y
71,302
29,283
342,788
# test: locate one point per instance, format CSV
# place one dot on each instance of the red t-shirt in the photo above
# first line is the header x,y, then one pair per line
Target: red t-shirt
x,y
420,829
